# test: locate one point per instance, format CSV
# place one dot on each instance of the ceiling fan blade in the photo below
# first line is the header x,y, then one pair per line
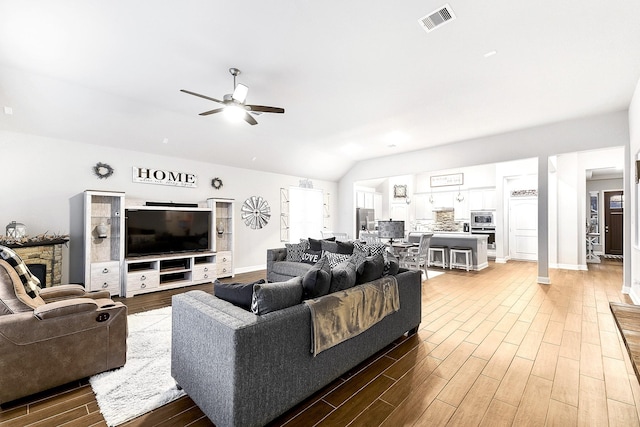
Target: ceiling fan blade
x,y
249,119
206,113
240,93
201,96
265,109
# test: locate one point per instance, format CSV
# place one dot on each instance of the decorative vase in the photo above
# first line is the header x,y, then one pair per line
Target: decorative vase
x,y
220,228
102,230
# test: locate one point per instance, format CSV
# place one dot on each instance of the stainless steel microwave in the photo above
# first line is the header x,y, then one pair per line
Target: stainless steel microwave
x,y
483,219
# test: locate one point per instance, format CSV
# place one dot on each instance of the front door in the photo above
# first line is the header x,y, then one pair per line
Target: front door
x,y
523,228
613,223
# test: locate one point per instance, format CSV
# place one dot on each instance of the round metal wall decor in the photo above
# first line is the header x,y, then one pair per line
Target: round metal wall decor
x,y
255,212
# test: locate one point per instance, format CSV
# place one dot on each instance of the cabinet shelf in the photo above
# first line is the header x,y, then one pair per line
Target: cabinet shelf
x,y
103,240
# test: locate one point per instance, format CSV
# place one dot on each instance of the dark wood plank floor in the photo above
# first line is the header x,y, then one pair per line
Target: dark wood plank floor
x,y
627,317
494,347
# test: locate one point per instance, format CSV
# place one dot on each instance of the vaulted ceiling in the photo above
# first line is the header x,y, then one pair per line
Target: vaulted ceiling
x,y
358,79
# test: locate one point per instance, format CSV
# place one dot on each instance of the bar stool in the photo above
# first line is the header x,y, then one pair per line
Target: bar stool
x,y
459,250
433,251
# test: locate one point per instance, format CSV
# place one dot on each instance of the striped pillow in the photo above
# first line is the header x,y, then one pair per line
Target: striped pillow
x,y
29,281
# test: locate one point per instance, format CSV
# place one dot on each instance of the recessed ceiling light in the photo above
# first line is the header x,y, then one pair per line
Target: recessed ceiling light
x,y
8,111
254,159
165,141
490,53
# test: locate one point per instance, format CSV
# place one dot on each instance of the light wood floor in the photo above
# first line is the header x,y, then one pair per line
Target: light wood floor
x,y
494,348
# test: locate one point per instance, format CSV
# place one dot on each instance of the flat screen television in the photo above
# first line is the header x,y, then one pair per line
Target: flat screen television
x,y
165,231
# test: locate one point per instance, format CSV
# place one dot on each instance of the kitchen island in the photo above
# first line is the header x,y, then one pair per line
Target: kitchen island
x,y
477,243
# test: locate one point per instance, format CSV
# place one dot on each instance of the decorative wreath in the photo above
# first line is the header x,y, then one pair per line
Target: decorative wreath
x,y
102,170
216,183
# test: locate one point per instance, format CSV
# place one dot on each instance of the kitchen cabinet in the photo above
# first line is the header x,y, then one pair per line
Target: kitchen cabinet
x,y
482,199
423,206
461,207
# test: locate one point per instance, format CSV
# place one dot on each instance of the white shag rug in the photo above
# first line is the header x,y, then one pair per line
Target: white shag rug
x,y
144,383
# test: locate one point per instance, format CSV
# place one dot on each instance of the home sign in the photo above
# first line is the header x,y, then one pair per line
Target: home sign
x,y
164,177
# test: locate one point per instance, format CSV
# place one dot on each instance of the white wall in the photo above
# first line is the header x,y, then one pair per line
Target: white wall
x,y
41,178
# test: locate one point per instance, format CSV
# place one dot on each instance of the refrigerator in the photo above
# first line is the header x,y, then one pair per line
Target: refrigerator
x,y
365,220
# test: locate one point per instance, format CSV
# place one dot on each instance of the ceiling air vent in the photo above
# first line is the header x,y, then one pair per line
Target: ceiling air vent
x,y
437,18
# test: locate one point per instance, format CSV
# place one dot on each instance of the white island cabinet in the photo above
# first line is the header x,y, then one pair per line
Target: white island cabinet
x,y
477,243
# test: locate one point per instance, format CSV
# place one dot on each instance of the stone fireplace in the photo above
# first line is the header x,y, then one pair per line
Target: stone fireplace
x,y
44,259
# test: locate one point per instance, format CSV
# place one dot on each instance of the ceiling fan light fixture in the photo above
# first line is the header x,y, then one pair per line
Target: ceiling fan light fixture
x,y
234,113
240,93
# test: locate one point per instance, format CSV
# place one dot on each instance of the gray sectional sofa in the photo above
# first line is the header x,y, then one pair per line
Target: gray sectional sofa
x,y
243,369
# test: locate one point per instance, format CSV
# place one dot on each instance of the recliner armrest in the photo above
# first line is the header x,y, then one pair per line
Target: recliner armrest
x,y
62,291
65,308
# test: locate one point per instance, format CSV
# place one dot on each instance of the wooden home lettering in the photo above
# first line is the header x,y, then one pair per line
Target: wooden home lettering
x,y
164,177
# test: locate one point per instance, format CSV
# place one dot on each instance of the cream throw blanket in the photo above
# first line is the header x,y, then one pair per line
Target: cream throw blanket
x,y
344,314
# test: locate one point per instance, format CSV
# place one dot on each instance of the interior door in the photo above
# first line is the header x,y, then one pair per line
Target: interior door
x,y
523,228
613,222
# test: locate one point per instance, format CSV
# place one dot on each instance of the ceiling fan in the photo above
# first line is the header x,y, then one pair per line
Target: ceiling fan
x,y
234,103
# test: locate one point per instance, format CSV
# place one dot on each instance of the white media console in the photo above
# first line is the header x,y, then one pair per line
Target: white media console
x,y
107,267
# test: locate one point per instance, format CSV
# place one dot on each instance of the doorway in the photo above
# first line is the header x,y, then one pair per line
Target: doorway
x,y
613,222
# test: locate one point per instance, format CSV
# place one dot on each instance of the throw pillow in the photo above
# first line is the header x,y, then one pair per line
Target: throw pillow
x,y
310,256
268,297
335,259
316,281
343,275
316,244
345,247
370,269
376,248
329,246
30,282
295,251
360,252
369,249
239,294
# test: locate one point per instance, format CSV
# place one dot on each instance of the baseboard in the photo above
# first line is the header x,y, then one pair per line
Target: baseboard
x,y
250,269
544,280
481,266
634,296
501,260
574,267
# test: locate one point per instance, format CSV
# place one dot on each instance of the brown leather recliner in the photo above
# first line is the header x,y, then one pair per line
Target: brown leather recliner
x,y
61,335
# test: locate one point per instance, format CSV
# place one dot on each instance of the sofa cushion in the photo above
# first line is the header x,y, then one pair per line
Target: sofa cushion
x,y
343,275
316,282
239,294
311,257
291,269
371,269
316,244
295,251
268,297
